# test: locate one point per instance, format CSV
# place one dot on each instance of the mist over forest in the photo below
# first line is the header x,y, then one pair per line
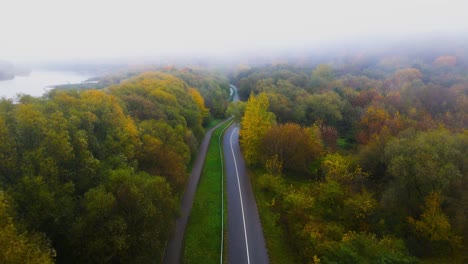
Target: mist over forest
x,y
351,119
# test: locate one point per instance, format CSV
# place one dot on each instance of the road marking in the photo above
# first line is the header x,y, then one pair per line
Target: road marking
x,y
240,195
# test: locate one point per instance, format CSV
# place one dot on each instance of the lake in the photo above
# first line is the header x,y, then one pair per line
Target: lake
x,y
38,82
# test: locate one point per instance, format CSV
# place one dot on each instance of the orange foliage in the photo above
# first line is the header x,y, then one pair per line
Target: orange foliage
x,y
371,123
407,75
446,61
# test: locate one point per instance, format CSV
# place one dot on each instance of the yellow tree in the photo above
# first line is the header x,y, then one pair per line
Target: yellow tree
x,y
196,96
256,122
433,224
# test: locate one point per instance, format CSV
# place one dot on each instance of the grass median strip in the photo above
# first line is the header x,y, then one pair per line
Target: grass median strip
x,y
203,233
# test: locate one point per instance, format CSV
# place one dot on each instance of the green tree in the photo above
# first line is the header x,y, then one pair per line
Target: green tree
x,y
126,219
326,107
367,248
322,75
237,110
18,246
421,163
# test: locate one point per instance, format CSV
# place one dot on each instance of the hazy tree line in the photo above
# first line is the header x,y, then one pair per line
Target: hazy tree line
x,y
94,176
364,159
8,70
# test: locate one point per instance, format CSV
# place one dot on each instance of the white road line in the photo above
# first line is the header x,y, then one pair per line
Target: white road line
x,y
240,195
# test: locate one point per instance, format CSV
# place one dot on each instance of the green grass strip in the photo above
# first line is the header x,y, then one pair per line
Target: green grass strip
x,y
214,123
204,231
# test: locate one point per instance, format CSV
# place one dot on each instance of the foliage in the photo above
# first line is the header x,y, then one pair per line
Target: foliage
x,y
128,218
213,87
392,129
434,226
367,248
98,172
255,123
236,109
295,147
18,246
423,162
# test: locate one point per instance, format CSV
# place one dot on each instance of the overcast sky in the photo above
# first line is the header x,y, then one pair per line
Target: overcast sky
x,y
61,29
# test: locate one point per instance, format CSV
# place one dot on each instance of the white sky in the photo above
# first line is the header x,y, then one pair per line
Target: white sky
x,y
40,29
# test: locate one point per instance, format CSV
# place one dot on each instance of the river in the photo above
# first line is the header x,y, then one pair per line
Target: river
x,y
38,82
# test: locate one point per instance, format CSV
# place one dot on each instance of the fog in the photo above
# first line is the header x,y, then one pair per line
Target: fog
x,y
54,30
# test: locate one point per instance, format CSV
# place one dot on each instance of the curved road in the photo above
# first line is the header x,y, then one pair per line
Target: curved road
x,y
246,243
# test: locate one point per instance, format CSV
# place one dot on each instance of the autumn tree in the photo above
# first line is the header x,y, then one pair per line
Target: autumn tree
x,y
295,147
434,226
164,151
371,123
166,93
445,61
257,120
196,96
407,75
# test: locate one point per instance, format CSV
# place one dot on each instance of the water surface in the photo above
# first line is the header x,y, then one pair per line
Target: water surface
x,y
38,82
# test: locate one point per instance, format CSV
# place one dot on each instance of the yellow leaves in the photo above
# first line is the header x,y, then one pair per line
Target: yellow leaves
x,y
112,125
434,225
314,232
340,169
348,236
196,96
372,122
273,165
164,97
361,205
374,118
30,115
255,123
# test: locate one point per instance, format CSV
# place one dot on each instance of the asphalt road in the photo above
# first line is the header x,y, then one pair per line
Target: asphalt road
x,y
246,243
173,252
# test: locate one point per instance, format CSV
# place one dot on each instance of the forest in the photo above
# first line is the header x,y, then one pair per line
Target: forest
x,y
361,160
95,176
353,159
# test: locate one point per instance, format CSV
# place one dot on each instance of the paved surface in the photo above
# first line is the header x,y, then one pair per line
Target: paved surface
x,y
173,253
246,243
